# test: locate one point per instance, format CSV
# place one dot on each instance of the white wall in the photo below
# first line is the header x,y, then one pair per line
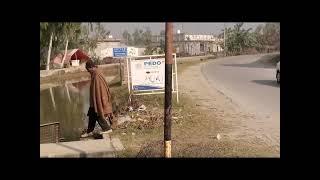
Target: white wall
x,y
132,51
103,50
107,52
141,51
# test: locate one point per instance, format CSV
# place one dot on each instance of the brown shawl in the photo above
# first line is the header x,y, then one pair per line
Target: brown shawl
x,y
100,97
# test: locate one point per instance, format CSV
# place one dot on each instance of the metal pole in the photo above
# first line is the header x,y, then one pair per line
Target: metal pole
x,y
176,73
128,74
49,52
224,40
168,90
121,79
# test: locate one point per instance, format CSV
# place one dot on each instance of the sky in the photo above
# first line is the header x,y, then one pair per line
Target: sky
x,y
192,28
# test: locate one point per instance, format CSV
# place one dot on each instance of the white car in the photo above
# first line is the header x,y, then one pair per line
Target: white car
x,y
278,72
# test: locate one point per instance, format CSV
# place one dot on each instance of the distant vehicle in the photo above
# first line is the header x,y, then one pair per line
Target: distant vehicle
x,y
278,72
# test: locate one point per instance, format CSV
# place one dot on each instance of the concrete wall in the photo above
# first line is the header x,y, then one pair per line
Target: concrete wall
x,y
53,72
107,52
110,70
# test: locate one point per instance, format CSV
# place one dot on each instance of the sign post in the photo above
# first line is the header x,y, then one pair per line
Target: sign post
x,y
120,52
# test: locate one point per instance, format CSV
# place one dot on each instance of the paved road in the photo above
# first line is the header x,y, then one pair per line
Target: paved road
x,y
247,81
251,84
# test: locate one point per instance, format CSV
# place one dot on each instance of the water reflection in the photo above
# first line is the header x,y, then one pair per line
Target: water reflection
x,y
68,105
52,99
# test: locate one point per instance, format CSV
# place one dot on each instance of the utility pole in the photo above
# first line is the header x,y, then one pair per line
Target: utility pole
x,y
168,89
224,38
49,52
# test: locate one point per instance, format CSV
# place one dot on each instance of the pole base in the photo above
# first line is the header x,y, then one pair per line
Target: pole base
x,y
167,149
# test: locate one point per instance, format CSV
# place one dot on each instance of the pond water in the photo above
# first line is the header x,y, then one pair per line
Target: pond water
x,y
67,104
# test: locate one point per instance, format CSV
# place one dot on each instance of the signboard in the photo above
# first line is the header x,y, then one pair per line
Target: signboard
x,y
120,52
148,74
132,51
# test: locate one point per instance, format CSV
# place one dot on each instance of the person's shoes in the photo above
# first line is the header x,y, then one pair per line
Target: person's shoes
x,y
86,135
106,132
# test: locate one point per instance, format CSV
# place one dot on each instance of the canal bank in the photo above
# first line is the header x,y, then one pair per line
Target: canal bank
x,y
59,75
69,106
65,99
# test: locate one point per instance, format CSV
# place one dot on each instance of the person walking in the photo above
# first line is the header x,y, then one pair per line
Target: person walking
x,y
100,101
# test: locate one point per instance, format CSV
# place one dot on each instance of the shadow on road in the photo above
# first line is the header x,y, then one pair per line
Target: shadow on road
x,y
267,82
268,62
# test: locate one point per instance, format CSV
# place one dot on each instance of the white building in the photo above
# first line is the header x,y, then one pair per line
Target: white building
x,y
191,44
105,48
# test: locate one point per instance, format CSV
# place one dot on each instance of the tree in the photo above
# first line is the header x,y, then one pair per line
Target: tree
x,y
100,32
146,37
162,42
127,36
239,39
271,34
57,36
268,36
71,32
258,37
146,41
142,38
48,37
221,35
137,37
87,43
149,50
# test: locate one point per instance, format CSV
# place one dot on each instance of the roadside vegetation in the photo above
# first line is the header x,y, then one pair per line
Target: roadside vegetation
x,y
263,39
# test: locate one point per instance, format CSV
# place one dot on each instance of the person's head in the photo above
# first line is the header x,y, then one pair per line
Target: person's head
x,y
90,65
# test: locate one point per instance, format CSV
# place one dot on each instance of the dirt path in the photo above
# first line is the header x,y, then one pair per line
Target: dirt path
x,y
232,122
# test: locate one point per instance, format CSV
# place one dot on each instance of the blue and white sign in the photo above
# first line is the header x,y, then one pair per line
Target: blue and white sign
x,y
148,74
120,52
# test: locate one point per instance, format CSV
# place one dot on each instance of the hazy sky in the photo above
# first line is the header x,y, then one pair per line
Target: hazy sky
x,y
192,28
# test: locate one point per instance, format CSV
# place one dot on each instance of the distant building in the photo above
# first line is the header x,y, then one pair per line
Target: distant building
x,y
190,44
104,47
